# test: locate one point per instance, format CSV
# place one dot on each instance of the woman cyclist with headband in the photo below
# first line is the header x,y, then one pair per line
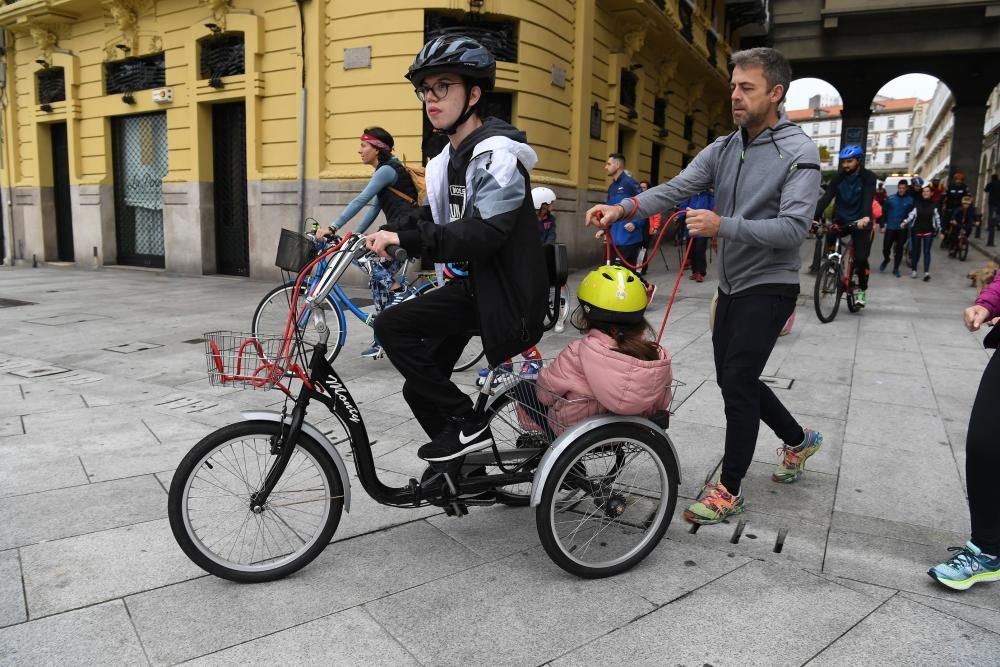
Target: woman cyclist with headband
x,y
390,191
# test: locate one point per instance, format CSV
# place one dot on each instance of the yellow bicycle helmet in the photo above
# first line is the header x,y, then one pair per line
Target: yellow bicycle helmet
x,y
612,294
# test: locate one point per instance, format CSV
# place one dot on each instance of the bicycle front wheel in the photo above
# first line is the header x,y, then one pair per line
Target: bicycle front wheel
x,y
963,251
211,513
826,293
608,500
272,314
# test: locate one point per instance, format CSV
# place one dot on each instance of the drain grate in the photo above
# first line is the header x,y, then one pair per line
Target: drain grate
x,y
129,348
777,382
38,371
14,303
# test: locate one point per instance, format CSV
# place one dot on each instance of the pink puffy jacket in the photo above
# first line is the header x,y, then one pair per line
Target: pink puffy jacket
x,y
591,367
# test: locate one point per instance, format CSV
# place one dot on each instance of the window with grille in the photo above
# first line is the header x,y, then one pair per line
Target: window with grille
x,y
660,112
892,122
222,55
497,34
51,85
710,43
687,20
131,74
689,127
626,94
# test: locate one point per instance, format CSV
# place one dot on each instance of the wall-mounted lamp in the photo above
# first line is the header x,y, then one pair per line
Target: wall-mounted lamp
x,y
44,63
662,133
127,98
214,28
46,108
124,48
215,82
635,66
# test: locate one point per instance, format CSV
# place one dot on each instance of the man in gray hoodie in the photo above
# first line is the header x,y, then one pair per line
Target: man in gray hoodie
x,y
766,178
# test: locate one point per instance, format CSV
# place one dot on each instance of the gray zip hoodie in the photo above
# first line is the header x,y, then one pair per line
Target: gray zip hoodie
x,y
765,193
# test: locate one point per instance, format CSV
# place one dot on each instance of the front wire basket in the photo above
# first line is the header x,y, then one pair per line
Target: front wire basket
x,y
245,361
295,251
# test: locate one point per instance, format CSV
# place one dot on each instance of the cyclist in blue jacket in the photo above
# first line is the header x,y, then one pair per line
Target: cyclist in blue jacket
x,y
896,207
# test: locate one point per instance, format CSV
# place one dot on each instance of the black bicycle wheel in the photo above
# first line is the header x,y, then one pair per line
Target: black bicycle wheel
x,y
826,293
963,252
471,355
210,509
272,314
608,500
553,308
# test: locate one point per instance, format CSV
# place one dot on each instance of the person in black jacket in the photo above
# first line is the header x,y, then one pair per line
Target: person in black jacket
x,y
854,189
479,212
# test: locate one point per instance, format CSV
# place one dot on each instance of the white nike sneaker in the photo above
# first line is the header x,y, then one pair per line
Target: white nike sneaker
x,y
458,439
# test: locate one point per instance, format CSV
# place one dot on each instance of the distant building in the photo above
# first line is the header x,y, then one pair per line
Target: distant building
x,y
932,147
990,159
890,129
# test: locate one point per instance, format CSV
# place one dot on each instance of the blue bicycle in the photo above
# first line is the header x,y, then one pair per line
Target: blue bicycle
x,y
294,252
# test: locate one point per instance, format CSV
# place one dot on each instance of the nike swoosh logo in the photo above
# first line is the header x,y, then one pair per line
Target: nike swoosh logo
x,y
466,440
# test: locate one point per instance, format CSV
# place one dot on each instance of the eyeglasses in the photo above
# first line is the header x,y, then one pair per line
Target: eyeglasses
x,y
439,90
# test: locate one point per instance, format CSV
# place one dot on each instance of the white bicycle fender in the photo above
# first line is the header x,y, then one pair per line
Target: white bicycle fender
x,y
315,434
567,437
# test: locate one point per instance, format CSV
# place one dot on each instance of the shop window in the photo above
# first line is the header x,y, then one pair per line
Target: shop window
x,y
222,55
497,34
51,85
131,74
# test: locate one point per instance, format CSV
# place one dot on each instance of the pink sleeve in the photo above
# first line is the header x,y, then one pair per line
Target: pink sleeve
x,y
989,298
554,378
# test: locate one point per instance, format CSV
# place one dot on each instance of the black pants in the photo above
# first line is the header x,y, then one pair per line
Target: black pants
x,y
982,460
862,241
630,253
699,255
423,339
746,329
894,240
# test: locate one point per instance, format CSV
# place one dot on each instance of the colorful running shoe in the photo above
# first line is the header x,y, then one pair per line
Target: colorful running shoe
x,y
716,505
505,367
860,298
793,461
530,368
967,567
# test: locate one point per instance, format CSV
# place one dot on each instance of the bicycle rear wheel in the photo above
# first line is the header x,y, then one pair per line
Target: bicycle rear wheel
x,y
211,513
471,355
608,500
827,292
272,314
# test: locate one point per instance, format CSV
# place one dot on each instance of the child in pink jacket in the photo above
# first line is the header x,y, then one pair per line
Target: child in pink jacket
x,y
615,363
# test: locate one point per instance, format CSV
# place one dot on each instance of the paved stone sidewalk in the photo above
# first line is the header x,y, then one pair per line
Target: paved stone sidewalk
x,y
102,391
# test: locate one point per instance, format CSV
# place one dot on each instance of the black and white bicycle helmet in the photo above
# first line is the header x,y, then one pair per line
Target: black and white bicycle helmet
x,y
456,54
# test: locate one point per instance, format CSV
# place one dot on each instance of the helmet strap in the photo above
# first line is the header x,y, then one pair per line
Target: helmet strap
x,y
467,111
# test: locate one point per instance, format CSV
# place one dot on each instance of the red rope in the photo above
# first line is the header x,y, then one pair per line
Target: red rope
x,y
609,243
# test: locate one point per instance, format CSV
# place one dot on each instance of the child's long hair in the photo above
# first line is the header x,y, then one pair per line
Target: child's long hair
x,y
632,339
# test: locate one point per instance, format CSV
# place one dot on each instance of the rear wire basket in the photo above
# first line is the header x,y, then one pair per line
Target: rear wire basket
x,y
245,361
523,411
295,251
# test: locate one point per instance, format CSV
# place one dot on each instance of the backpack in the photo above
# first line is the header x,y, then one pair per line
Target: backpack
x,y
419,177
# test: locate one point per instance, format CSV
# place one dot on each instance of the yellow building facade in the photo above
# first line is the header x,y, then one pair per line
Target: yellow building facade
x,y
184,134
